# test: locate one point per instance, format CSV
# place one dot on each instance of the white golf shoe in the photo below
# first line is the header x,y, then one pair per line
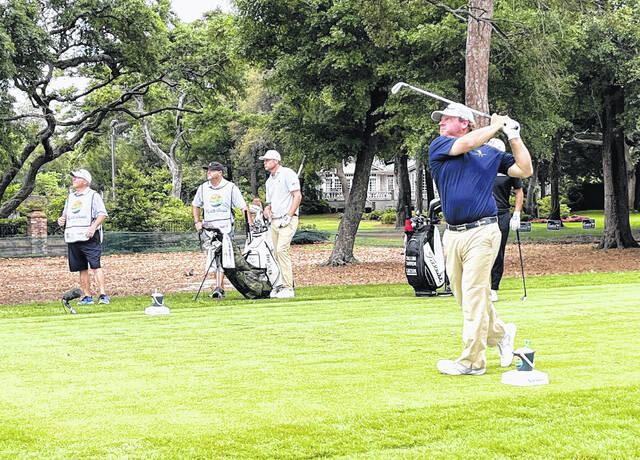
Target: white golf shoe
x,y
505,346
450,367
285,293
494,295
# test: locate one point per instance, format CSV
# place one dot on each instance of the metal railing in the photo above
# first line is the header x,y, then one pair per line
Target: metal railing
x,y
8,230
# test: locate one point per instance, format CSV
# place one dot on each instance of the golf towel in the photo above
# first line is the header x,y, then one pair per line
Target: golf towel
x,y
228,260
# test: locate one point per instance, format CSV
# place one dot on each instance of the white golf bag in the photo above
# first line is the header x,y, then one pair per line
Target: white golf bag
x,y
256,272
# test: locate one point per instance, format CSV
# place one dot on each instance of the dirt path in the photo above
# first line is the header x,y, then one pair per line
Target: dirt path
x,y
41,279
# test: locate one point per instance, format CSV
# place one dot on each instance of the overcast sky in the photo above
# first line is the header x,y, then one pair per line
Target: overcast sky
x,y
190,10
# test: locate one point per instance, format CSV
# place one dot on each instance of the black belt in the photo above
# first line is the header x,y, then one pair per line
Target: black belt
x,y
470,225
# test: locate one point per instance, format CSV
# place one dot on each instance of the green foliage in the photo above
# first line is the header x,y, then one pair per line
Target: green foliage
x,y
172,216
9,192
544,207
55,208
311,202
143,203
388,216
373,215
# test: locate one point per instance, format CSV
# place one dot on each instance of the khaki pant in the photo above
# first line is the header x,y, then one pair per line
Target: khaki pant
x,y
469,256
282,237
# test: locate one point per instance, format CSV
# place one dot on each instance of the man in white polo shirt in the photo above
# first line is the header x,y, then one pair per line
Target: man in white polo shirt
x,y
283,200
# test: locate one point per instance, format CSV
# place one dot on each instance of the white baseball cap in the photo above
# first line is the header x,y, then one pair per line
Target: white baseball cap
x,y
271,155
497,144
454,110
82,174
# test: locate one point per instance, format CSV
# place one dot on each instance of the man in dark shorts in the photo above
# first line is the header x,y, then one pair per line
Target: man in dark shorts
x,y
82,218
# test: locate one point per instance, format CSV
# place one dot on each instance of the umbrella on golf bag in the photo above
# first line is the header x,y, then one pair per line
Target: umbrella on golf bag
x,y
424,259
256,272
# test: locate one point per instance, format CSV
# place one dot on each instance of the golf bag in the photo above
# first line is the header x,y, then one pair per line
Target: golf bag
x,y
256,272
424,259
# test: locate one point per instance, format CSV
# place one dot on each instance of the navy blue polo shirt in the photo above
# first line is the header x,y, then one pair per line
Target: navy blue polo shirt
x,y
465,181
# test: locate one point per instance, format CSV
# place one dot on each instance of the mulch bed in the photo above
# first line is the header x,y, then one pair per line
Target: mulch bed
x,y
44,279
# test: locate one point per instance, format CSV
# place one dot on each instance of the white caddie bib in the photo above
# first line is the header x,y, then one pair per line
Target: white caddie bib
x,y
217,207
79,210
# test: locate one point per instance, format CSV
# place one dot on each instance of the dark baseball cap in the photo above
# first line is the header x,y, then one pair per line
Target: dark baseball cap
x,y
214,166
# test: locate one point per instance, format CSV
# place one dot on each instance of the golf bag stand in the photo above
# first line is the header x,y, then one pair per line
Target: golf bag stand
x,y
424,259
212,244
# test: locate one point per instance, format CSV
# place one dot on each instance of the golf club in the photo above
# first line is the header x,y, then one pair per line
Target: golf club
x,y
398,86
524,286
207,272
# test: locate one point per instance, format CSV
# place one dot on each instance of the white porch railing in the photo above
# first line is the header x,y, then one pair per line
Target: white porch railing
x,y
371,196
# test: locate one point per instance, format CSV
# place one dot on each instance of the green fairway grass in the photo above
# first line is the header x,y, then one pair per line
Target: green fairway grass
x,y
341,372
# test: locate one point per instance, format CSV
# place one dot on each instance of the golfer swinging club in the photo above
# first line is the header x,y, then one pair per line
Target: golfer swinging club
x,y
464,169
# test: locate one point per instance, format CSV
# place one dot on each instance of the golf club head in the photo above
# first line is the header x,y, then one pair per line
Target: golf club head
x,y
397,87
523,298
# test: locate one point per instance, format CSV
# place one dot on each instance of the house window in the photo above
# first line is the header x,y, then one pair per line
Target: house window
x,y
390,184
335,185
373,184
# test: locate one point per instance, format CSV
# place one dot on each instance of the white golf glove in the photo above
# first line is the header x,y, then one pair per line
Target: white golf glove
x,y
286,220
514,223
511,129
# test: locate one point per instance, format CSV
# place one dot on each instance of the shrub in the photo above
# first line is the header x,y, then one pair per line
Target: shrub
x,y
388,217
315,206
375,215
309,236
172,216
544,207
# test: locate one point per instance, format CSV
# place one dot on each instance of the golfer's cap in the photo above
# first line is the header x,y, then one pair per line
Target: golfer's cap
x,y
82,174
497,144
214,166
453,110
271,155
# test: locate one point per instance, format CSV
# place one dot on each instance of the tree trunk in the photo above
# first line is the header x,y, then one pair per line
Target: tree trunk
x,y
428,181
343,181
403,207
253,179
617,230
554,213
477,58
531,205
637,194
419,183
342,253
169,158
631,175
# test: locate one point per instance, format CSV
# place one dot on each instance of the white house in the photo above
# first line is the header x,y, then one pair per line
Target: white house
x,y
382,190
